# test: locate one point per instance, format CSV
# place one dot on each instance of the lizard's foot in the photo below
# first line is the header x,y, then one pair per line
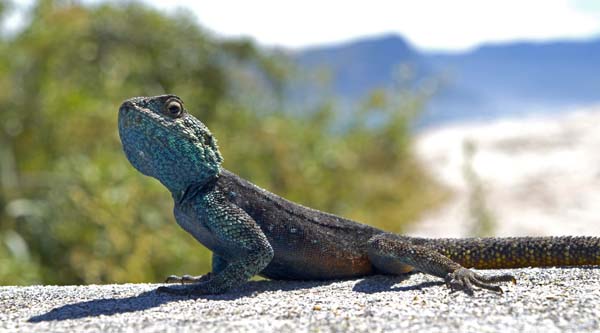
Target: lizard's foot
x,y
464,279
196,289
187,279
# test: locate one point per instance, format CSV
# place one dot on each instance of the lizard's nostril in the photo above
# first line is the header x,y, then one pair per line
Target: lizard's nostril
x,y
126,106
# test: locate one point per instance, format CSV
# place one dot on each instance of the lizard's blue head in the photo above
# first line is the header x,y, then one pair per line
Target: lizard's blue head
x,y
162,140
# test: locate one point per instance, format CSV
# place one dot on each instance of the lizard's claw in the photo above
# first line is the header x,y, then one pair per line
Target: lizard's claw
x,y
187,279
464,279
194,285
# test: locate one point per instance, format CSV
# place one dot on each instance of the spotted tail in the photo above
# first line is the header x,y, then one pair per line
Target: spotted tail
x,y
512,252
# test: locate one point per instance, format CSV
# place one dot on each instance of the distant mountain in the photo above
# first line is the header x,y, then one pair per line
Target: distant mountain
x,y
361,66
488,82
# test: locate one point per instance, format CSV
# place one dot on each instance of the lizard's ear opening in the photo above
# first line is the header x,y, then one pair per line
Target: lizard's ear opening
x,y
173,108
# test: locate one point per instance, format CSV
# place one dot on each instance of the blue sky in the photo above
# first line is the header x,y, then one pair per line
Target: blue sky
x,y
428,24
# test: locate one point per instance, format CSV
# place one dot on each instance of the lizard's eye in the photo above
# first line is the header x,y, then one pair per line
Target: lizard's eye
x,y
173,108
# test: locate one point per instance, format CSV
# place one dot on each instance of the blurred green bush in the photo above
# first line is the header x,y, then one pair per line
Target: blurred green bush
x,y
72,209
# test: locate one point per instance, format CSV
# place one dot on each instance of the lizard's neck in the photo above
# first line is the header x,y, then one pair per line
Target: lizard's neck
x,y
190,191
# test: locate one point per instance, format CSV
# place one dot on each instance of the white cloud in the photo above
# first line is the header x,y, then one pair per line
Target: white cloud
x,y
431,24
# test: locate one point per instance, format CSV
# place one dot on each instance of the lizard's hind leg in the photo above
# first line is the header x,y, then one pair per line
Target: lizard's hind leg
x,y
395,254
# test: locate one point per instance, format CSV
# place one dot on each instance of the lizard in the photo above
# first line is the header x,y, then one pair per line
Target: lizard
x,y
252,231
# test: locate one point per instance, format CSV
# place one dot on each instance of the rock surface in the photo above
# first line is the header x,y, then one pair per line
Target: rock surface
x,y
550,299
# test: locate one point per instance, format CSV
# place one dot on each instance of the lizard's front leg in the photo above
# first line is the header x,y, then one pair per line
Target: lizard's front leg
x,y
391,253
241,248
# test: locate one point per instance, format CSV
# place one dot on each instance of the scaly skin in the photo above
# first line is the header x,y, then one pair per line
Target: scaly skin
x,y
253,231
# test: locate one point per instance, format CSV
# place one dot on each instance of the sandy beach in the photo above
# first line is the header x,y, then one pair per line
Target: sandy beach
x,y
536,175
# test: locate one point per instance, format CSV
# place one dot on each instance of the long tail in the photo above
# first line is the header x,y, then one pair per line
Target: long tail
x,y
512,252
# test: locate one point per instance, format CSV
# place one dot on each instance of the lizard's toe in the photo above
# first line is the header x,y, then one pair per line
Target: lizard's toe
x,y
173,279
187,279
464,279
187,290
498,278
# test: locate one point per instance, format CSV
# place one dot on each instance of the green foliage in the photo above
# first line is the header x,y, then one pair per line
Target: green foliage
x,y
72,209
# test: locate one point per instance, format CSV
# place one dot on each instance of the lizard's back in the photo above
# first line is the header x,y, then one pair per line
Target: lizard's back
x,y
308,244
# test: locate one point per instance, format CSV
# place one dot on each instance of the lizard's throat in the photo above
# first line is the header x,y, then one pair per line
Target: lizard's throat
x,y
177,162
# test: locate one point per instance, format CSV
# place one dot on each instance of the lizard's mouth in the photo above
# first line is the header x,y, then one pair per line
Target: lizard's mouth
x,y
129,114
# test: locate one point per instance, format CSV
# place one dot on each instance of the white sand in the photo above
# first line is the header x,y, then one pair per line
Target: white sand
x,y
540,175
